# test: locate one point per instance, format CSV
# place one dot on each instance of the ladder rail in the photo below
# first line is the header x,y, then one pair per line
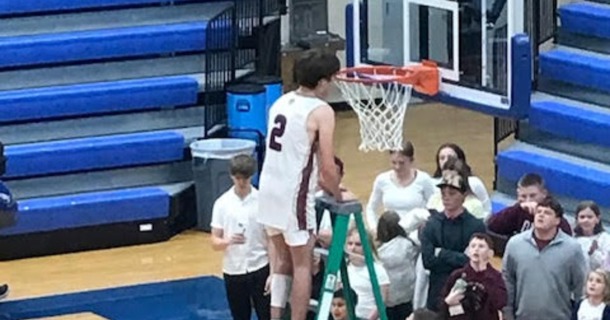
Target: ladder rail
x,y
336,262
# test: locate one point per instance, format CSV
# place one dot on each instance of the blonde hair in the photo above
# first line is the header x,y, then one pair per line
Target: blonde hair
x,y
604,275
369,238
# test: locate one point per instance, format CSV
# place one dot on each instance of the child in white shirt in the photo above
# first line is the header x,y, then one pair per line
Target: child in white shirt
x,y
589,232
360,280
595,305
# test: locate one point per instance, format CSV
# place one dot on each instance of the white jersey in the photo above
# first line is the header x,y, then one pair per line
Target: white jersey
x,y
289,176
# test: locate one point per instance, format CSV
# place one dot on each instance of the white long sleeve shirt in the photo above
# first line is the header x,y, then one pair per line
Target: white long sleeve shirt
x,y
388,195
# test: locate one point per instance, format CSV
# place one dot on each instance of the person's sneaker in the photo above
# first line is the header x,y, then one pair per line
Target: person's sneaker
x,y
3,291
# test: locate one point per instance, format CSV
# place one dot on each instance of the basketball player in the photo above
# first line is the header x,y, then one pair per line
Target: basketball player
x,y
299,157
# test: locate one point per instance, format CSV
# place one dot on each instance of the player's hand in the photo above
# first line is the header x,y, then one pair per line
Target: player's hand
x,y
237,238
530,207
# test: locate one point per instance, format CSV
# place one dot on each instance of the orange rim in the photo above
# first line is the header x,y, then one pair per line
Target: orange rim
x,y
424,77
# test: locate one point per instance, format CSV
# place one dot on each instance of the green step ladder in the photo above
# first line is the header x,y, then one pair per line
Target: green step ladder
x,y
340,217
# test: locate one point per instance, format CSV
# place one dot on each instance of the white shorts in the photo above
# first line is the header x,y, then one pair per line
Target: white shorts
x,y
293,238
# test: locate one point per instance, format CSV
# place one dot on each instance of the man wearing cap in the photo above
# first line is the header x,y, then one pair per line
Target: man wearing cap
x,y
446,235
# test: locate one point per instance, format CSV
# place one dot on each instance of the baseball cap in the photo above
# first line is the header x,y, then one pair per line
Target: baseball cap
x,y
453,179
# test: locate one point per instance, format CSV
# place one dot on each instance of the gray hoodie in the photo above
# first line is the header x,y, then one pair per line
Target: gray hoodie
x,y
541,284
399,256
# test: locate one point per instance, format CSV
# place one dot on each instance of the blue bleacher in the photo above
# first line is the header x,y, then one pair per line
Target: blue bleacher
x,y
99,44
90,209
586,18
35,6
96,98
93,153
104,91
564,175
576,67
129,33
578,122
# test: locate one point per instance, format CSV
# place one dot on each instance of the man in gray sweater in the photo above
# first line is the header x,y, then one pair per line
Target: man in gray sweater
x,y
544,269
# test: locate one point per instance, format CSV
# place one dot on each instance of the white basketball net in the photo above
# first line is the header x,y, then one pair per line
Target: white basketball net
x,y
381,108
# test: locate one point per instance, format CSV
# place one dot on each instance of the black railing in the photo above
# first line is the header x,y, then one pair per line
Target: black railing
x,y
503,129
220,66
239,38
541,26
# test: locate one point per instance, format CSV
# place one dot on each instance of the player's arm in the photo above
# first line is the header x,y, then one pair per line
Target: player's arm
x,y
325,123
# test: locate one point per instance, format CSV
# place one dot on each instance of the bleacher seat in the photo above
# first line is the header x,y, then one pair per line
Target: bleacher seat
x,y
96,98
90,209
93,153
564,175
575,121
586,18
37,6
576,67
103,35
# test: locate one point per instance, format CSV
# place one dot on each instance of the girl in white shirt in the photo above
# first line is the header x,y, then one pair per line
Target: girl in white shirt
x,y
359,278
398,254
236,231
589,232
477,187
597,295
401,189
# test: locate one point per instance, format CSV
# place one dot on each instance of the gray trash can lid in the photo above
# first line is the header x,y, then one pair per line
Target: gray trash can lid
x,y
225,148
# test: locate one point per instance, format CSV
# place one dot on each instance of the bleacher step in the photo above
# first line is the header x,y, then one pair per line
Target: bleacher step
x,y
112,34
565,175
576,74
103,180
572,120
102,125
102,72
96,153
586,18
37,6
110,19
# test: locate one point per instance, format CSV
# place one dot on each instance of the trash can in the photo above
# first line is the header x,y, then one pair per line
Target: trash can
x,y
211,158
273,89
246,110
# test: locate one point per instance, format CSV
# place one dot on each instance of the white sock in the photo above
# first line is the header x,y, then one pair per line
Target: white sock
x,y
280,290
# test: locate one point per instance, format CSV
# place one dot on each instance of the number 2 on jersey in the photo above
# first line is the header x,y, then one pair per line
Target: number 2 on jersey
x,y
277,132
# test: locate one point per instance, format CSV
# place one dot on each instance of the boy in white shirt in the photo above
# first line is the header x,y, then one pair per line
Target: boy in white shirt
x,y
244,242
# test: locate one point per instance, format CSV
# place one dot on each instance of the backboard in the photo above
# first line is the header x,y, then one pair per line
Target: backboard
x,y
479,45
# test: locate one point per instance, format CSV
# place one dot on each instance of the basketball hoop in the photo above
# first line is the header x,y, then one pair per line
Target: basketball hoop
x,y
380,96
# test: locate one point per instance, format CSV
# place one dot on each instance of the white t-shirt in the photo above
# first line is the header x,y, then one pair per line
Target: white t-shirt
x,y
590,312
234,215
360,282
402,199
